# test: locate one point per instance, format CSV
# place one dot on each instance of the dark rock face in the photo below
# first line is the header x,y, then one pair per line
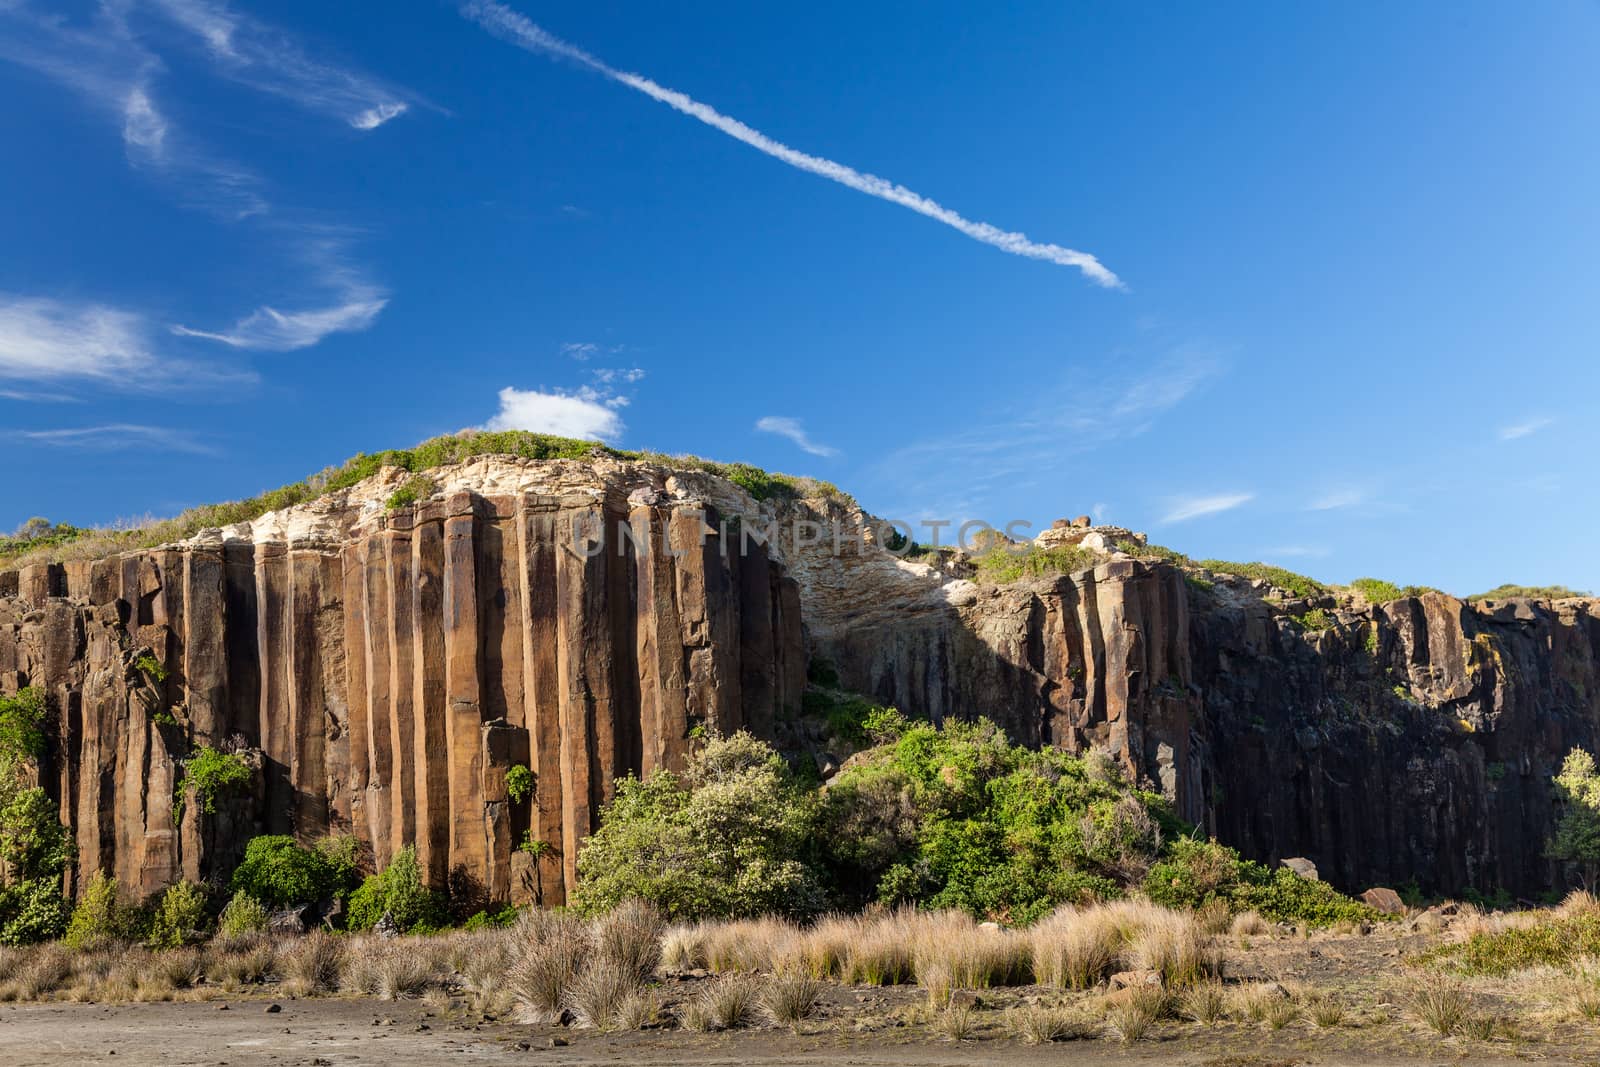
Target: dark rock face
x,y
384,683
382,670
1412,741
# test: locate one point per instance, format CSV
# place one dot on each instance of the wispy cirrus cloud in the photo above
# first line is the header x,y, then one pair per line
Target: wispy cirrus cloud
x,y
1092,404
111,68
784,426
250,52
1335,499
115,437
354,306
1185,508
1526,428
509,25
51,341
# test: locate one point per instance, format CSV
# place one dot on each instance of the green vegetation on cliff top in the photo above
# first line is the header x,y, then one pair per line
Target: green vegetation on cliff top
x,y
40,541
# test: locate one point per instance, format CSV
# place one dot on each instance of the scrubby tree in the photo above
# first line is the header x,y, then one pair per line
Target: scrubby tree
x,y
734,835
1577,836
35,849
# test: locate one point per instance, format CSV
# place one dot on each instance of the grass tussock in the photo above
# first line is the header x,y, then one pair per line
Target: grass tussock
x,y
955,1023
1134,1015
789,999
1039,1025
1441,1002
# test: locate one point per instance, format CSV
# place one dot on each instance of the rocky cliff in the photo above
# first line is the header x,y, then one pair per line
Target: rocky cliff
x,y
382,667
1410,741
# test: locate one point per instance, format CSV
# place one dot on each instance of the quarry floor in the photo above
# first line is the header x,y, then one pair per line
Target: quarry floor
x,y
854,1026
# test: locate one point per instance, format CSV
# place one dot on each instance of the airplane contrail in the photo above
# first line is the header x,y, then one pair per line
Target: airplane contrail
x,y
516,28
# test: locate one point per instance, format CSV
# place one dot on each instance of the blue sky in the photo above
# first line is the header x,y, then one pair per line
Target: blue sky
x,y
1310,284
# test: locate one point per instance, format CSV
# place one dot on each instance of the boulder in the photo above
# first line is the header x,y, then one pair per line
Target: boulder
x,y
1384,900
1135,979
1303,867
1083,522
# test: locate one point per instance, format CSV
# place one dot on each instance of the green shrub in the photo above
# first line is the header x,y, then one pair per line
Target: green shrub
x,y
210,774
244,914
733,836
1194,873
1006,563
1551,942
281,873
1155,552
519,783
959,817
1377,590
1294,584
33,910
101,918
491,920
1531,592
417,487
399,892
846,714
33,843
180,918
22,725
151,668
1314,621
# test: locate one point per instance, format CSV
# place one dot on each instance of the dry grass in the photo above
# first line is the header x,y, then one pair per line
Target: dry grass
x,y
1134,1015
1173,944
728,1003
683,948
598,991
789,999
401,972
1327,1013
638,1011
629,938
1075,949
1041,1026
1205,1002
549,952
955,1023
312,966
1253,1000
1441,1002
1249,924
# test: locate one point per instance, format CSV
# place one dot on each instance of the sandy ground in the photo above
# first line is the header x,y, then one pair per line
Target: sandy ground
x,y
854,1026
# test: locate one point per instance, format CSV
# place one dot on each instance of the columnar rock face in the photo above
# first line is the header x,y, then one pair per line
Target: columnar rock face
x,y
1406,742
383,668
384,678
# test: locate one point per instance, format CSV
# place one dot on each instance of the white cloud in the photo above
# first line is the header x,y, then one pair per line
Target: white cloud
x,y
271,330
618,375
1193,507
1335,499
264,58
582,414
791,428
116,436
1300,551
509,25
355,306
1525,428
111,67
51,340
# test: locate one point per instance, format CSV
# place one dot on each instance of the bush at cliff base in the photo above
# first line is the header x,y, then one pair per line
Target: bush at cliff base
x,y
958,817
281,873
35,849
180,918
951,817
1194,873
398,892
735,835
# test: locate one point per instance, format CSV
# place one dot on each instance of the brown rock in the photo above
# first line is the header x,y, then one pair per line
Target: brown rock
x,y
1303,867
1135,979
1386,901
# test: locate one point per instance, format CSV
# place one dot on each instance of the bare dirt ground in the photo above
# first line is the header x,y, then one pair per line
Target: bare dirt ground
x,y
864,1026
